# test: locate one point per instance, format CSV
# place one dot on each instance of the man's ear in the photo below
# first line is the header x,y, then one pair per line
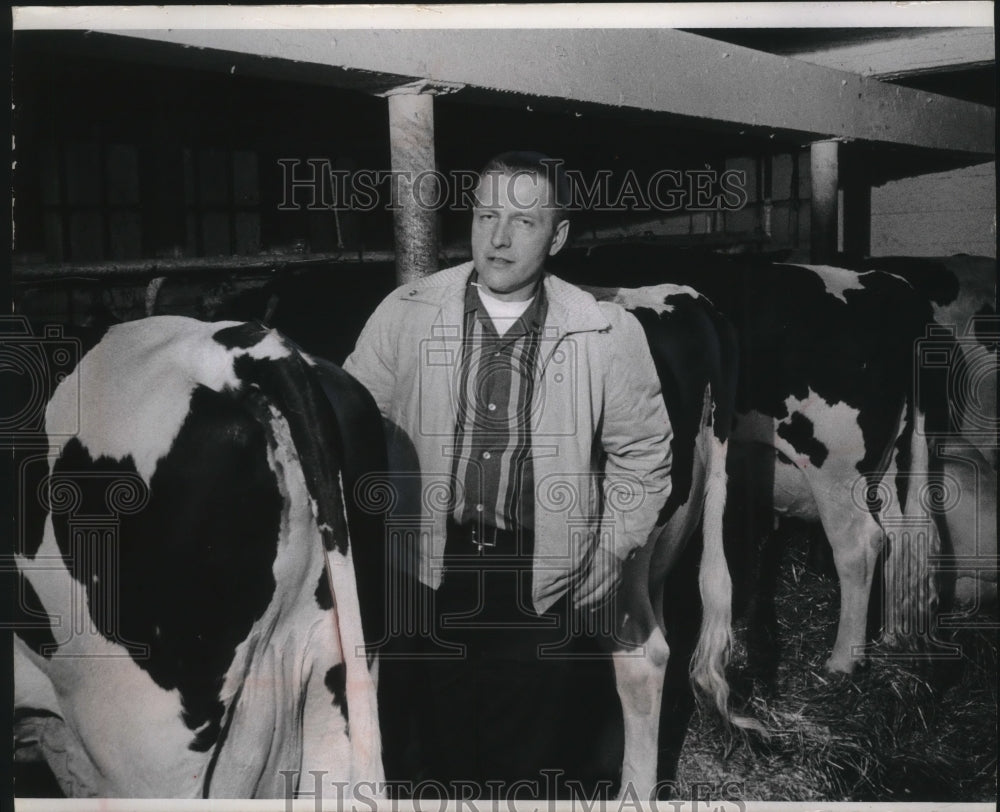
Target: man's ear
x,y
559,238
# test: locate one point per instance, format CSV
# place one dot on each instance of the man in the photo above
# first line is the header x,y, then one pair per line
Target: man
x,y
530,450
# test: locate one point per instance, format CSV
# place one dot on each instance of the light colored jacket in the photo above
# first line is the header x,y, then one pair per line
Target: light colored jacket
x,y
600,435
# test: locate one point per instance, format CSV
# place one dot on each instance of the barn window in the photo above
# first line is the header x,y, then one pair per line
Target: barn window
x,y
221,202
90,201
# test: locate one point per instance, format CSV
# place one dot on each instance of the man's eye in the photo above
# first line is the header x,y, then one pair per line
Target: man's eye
x,y
524,222
486,215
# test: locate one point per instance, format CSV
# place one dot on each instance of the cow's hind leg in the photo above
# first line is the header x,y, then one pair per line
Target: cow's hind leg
x,y
842,497
640,664
40,733
856,539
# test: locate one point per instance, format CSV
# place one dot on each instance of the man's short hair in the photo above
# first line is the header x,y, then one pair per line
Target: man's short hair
x,y
540,165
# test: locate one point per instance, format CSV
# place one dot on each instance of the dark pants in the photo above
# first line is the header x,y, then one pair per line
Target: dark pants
x,y
496,710
472,698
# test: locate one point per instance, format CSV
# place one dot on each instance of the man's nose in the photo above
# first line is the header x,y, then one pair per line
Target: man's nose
x,y
501,233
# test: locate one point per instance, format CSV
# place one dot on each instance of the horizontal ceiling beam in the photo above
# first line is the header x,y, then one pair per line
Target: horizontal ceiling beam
x,y
908,54
658,70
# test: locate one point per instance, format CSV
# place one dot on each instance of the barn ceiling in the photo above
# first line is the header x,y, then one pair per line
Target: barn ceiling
x,y
728,90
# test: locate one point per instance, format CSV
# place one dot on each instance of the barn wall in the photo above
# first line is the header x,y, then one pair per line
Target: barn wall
x,y
936,214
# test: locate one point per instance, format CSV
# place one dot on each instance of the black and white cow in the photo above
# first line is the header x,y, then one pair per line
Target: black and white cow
x,y
695,354
833,413
189,615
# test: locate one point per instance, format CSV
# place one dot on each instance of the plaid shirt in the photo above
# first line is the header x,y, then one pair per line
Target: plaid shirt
x,y
493,427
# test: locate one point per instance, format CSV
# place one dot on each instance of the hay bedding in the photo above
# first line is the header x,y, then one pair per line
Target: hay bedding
x,y
897,730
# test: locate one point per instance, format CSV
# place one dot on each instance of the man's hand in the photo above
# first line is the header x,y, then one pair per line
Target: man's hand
x,y
599,581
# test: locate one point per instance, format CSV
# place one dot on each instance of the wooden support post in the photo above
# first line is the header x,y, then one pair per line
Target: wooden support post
x,y
824,177
415,188
766,194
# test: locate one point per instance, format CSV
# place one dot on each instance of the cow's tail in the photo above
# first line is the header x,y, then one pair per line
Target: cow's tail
x,y
910,588
331,515
366,747
293,385
711,654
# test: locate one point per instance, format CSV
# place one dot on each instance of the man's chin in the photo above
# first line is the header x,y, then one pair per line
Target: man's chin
x,y
498,286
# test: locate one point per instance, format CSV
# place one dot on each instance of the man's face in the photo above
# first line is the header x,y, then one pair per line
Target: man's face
x,y
514,228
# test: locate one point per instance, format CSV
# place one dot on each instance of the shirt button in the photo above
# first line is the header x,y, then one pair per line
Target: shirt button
x,y
479,508
492,407
486,455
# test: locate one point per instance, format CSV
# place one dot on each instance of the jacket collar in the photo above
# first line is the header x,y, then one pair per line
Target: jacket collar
x,y
570,309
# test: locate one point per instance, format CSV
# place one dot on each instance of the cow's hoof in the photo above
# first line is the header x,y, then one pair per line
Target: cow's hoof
x,y
840,665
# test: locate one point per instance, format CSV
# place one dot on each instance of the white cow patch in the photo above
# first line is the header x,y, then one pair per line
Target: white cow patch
x,y
835,425
836,280
270,348
652,297
130,394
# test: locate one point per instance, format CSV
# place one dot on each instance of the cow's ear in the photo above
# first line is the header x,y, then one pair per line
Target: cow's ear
x,y
559,237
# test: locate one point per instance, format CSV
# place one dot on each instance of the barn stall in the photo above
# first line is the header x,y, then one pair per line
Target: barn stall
x,y
186,172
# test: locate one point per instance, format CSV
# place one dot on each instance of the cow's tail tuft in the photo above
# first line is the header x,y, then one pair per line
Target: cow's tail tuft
x,y
711,654
910,592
